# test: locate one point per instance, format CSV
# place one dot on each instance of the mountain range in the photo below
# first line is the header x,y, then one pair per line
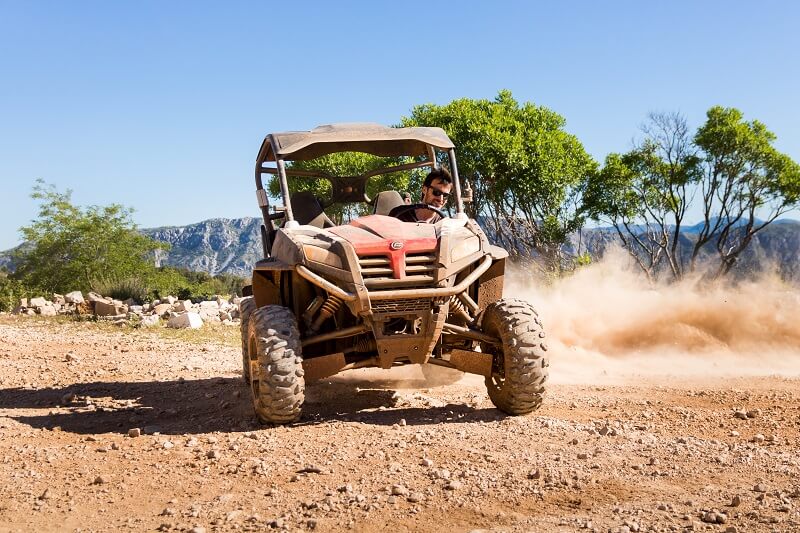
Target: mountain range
x,y
232,246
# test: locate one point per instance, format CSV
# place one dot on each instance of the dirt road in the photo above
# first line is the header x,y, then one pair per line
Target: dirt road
x,y
661,455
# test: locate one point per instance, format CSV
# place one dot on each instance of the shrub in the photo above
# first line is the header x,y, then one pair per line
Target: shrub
x,y
74,248
189,285
11,291
134,288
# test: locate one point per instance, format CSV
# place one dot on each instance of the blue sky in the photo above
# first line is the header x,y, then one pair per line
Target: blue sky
x,y
161,106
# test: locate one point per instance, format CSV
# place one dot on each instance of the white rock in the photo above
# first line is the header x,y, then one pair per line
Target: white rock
x,y
170,300
212,315
94,297
109,309
209,305
186,320
74,297
48,310
149,321
38,302
162,309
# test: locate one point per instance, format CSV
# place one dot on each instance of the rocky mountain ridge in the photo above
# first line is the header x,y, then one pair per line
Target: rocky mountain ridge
x,y
232,246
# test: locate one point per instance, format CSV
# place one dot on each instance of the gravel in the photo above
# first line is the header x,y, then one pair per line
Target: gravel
x,y
373,453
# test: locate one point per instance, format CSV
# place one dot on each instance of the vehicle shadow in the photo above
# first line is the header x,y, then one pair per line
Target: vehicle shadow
x,y
213,404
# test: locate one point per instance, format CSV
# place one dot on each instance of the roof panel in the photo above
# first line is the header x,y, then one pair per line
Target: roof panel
x,y
355,137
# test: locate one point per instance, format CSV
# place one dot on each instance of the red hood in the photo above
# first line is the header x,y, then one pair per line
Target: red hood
x,y
388,236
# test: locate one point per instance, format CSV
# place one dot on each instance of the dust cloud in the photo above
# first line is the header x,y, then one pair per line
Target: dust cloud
x,y
606,324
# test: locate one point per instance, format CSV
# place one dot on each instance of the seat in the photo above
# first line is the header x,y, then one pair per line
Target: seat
x,y
385,201
308,211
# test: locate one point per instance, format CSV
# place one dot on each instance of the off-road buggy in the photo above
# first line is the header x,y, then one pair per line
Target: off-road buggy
x,y
377,291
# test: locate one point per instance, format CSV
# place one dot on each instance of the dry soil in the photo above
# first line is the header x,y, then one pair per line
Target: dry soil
x,y
665,412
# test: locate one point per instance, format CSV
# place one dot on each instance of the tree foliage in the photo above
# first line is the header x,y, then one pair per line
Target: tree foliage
x,y
645,193
73,248
345,164
11,291
729,167
744,176
528,174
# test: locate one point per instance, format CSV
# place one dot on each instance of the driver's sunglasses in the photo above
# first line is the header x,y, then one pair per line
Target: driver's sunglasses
x,y
437,193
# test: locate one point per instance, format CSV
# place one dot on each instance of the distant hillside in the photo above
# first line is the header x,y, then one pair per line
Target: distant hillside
x,y
215,246
232,246
777,246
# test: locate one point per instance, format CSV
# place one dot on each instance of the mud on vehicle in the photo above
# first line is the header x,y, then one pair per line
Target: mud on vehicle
x,y
377,291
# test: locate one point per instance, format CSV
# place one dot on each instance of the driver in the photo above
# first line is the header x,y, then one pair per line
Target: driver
x,y
435,192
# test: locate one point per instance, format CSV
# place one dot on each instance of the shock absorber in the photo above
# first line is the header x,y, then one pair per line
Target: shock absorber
x,y
328,309
458,307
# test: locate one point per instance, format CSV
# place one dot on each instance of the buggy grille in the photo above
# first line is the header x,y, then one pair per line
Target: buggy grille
x,y
376,270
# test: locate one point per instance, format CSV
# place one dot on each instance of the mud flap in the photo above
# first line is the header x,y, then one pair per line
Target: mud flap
x,y
317,368
472,362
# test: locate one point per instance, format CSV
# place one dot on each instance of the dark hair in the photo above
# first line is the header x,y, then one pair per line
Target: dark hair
x,y
442,174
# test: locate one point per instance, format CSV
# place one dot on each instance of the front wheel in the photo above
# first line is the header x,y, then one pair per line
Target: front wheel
x,y
279,386
519,368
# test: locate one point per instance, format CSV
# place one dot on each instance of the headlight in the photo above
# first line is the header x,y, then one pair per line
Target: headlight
x,y
321,255
465,248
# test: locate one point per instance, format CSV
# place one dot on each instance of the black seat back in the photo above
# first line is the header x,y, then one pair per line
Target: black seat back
x,y
308,211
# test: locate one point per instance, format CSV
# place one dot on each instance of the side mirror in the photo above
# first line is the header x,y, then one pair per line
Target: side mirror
x,y
466,193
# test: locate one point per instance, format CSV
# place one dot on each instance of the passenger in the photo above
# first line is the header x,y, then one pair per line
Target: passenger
x,y
435,192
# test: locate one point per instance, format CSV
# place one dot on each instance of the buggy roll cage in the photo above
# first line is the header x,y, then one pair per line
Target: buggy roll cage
x,y
372,139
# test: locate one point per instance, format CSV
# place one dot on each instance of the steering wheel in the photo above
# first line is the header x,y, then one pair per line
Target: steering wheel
x,y
399,211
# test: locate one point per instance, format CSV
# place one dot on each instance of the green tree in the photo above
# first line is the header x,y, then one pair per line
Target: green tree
x,y
729,167
745,176
73,248
527,173
645,193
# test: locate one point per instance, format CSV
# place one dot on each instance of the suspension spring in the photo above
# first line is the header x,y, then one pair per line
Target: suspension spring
x,y
329,309
331,305
458,307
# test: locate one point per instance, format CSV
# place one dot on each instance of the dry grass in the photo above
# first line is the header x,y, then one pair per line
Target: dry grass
x,y
210,333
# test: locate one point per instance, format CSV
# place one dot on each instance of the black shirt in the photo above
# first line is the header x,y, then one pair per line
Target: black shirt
x,y
410,215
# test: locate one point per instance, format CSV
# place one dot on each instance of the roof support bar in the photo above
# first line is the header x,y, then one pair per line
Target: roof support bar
x,y
451,153
285,190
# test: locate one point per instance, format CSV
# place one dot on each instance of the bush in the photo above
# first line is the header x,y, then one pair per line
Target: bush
x,y
73,248
189,285
134,288
11,291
